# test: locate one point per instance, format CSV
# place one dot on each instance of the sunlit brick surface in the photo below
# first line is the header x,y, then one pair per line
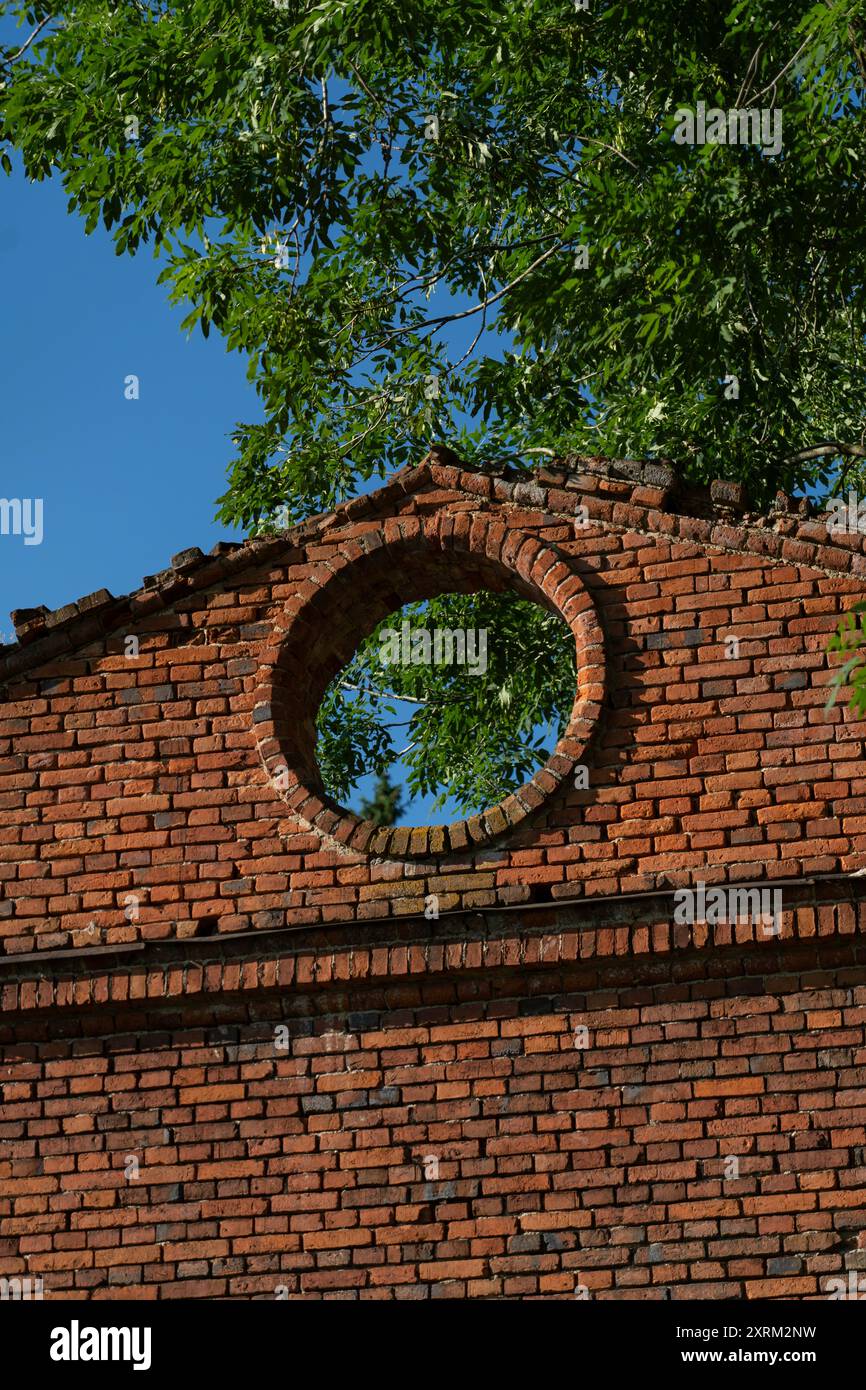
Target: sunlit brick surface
x,y
236,1060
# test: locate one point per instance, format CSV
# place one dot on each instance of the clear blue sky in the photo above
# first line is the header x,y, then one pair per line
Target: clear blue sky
x,y
125,484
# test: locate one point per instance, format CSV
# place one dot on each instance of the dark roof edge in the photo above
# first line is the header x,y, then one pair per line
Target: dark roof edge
x,y
649,495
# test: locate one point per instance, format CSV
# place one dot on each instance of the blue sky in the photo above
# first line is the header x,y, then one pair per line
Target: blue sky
x,y
126,484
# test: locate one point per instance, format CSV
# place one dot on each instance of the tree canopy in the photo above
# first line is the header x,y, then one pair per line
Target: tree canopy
x,y
471,729
480,224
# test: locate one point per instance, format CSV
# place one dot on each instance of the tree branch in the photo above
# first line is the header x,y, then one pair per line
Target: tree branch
x,y
779,75
40,26
465,313
380,694
362,84
359,438
748,77
422,282
831,446
590,140
469,351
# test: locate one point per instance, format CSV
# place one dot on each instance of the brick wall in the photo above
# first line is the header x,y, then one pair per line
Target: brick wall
x,y
446,1129
149,775
177,887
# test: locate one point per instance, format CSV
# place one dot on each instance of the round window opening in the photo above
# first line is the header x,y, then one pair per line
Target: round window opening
x,y
442,662
451,704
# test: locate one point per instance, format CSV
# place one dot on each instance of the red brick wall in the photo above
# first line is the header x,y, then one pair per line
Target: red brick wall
x,y
145,776
434,1130
174,884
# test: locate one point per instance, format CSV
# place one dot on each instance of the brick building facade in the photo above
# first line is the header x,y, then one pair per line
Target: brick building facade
x,y
236,1057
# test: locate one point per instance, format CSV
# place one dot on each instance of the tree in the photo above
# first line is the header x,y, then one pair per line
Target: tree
x,y
467,733
386,805
484,224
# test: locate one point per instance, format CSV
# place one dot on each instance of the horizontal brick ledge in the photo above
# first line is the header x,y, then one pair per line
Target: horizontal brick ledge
x,y
386,951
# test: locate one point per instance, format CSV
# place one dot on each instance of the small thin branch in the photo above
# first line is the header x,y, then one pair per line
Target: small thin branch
x,y
420,281
473,345
297,264
491,299
359,438
380,694
362,84
840,481
590,140
771,86
750,71
434,704
748,77
23,49
465,313
858,52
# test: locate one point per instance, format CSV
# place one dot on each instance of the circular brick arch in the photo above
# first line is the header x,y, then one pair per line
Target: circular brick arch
x,y
340,603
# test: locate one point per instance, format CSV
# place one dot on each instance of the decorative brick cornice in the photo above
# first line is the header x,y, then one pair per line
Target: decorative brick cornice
x,y
626,934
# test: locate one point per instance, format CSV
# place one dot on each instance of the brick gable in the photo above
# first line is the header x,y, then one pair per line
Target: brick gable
x,y
177,886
